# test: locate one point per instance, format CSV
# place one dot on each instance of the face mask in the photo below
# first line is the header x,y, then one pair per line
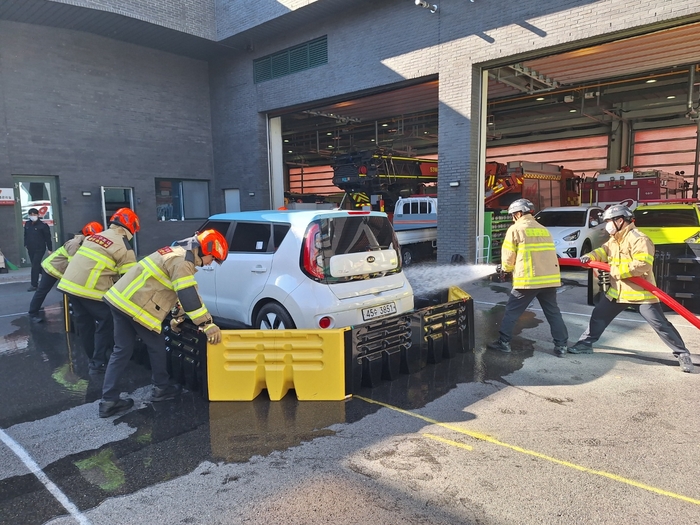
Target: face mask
x,y
33,218
610,228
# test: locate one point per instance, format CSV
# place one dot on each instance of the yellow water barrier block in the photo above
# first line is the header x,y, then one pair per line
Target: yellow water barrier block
x,y
312,362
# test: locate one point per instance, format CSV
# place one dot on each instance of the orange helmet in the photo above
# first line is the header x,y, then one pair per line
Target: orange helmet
x,y
211,242
92,227
127,218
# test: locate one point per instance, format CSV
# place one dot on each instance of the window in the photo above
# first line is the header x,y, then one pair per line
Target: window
x,y
178,200
292,60
251,238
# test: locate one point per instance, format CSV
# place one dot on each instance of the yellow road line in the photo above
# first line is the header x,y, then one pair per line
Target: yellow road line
x,y
494,441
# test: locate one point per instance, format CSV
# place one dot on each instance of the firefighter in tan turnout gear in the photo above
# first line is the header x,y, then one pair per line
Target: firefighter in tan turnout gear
x,y
94,268
55,265
528,252
629,253
142,299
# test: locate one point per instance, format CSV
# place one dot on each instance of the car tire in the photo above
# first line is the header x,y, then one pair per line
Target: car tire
x,y
586,247
407,257
273,316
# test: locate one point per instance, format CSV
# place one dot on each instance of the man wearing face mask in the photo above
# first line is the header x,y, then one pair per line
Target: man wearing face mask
x,y
629,253
37,239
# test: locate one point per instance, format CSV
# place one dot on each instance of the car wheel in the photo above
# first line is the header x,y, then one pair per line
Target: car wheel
x,y
273,316
406,256
586,247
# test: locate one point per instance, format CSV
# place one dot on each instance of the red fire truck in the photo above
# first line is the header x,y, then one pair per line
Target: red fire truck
x,y
545,185
629,187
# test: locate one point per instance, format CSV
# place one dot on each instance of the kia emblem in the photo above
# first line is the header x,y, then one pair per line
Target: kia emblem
x,y
370,259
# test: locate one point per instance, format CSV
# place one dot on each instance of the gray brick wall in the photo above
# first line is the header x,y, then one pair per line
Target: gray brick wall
x,y
195,17
236,16
93,111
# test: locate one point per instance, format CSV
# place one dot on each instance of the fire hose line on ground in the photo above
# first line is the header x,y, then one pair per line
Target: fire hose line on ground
x,y
660,294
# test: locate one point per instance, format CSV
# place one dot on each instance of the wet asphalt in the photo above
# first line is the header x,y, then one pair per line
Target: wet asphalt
x,y
354,461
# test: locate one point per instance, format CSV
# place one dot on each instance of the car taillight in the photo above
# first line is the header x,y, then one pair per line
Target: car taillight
x,y
350,212
324,322
312,258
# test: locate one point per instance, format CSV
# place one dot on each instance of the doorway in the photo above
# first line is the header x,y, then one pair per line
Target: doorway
x,y
113,198
40,193
232,200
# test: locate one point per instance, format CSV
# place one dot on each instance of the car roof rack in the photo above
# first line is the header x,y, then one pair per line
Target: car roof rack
x,y
670,201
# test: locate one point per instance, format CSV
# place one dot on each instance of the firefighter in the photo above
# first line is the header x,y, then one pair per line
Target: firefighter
x,y
95,267
630,253
54,266
528,252
142,299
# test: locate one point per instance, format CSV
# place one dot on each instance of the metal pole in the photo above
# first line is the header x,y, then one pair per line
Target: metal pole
x,y
697,161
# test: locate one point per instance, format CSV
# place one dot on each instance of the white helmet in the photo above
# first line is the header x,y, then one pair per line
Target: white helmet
x,y
522,205
616,211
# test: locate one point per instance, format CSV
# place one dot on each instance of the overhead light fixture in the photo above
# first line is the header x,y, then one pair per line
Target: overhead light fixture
x,y
568,98
286,140
540,98
385,125
572,111
422,3
290,151
329,134
671,97
454,183
651,81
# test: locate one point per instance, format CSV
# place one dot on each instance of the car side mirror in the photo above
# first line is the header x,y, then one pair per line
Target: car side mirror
x,y
594,223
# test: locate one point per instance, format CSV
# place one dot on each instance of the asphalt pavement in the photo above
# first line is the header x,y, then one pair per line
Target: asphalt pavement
x,y
482,438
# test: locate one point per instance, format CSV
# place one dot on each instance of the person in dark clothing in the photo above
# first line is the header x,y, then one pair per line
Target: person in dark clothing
x,y
37,240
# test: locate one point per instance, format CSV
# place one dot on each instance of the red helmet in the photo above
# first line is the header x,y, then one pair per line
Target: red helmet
x,y
211,242
92,227
127,218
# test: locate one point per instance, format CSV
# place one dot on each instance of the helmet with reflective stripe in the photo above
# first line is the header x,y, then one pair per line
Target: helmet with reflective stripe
x,y
211,242
521,205
616,211
92,227
127,218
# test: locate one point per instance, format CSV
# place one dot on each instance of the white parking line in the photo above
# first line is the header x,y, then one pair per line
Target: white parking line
x,y
50,486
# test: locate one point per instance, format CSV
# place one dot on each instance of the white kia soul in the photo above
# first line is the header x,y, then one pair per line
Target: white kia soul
x,y
305,269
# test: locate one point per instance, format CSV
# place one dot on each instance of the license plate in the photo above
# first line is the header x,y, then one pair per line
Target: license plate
x,y
378,311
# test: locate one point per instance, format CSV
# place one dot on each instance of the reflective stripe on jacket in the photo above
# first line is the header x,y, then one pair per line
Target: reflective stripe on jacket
x,y
98,263
150,289
630,253
528,252
56,263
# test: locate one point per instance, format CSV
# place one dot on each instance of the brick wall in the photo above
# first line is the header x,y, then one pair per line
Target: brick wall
x,y
93,111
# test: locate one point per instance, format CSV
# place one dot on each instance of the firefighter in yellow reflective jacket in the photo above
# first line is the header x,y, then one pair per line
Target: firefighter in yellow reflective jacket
x,y
629,253
54,266
528,252
142,299
94,268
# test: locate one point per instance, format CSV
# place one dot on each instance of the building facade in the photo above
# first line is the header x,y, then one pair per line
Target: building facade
x,y
155,103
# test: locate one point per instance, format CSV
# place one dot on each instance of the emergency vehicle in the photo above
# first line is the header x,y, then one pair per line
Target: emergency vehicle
x,y
630,187
544,185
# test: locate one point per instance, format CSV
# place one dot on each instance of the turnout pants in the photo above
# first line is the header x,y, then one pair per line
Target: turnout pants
x,y
125,332
45,285
520,299
93,320
607,309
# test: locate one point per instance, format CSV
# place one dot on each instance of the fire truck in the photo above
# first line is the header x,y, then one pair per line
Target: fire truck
x,y
378,178
628,187
544,184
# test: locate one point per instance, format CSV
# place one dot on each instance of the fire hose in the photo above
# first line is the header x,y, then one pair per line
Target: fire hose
x,y
660,294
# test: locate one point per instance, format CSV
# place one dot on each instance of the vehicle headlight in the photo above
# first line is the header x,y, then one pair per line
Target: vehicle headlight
x,y
573,236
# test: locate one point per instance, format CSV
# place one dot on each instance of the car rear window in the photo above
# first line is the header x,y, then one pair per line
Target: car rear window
x,y
346,235
561,218
666,218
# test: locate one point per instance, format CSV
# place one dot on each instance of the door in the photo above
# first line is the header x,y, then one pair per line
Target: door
x,y
232,200
40,193
113,198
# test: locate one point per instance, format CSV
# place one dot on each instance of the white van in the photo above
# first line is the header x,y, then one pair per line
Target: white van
x,y
305,269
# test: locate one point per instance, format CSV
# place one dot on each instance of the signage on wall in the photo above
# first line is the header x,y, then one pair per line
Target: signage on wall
x,y
7,197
